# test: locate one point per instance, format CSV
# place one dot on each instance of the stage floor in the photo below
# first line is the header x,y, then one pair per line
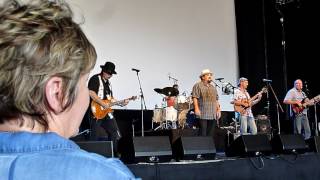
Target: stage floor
x,y
299,166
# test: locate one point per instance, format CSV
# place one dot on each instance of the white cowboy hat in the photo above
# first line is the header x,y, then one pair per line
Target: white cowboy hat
x,y
205,71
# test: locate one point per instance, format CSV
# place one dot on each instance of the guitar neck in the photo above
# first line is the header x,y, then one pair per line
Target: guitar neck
x,y
117,102
121,101
255,96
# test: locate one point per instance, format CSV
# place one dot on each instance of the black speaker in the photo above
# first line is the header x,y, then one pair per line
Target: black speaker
x,y
314,144
198,147
289,143
152,148
104,148
249,145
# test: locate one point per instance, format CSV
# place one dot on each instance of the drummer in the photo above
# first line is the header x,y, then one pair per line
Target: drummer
x,y
171,99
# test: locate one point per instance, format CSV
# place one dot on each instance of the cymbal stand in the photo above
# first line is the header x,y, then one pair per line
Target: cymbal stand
x,y
163,125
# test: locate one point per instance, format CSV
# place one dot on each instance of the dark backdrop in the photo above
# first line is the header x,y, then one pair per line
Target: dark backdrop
x,y
262,54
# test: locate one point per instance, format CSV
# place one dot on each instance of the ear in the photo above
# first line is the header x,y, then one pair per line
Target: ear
x,y
54,93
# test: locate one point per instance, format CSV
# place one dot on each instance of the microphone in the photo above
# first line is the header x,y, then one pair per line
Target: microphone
x,y
136,70
219,79
266,80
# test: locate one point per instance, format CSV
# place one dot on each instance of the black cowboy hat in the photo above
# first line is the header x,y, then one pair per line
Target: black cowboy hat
x,y
109,67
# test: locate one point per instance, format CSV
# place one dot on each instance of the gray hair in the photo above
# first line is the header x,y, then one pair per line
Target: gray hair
x,y
39,40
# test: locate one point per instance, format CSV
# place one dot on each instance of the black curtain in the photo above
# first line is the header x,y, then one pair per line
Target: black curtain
x,y
277,40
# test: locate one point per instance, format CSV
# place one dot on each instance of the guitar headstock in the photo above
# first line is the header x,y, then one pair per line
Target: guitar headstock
x,y
316,99
264,90
133,98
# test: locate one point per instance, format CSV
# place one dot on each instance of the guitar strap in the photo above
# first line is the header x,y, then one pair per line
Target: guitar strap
x,y
101,88
101,92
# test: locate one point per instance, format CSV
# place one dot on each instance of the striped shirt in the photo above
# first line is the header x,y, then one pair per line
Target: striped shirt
x,y
207,96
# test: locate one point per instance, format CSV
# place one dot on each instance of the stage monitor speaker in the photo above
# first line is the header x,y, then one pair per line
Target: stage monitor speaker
x,y
104,148
152,148
250,145
314,144
198,147
289,143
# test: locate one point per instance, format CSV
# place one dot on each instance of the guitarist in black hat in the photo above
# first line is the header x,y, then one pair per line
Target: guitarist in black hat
x,y
101,95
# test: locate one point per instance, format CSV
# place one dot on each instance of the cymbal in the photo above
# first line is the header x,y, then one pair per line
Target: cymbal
x,y
158,90
168,91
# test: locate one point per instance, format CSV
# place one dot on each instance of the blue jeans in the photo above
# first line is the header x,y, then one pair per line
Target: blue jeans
x,y
302,121
246,121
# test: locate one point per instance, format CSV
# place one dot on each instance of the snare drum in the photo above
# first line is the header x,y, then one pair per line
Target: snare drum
x,y
158,115
171,114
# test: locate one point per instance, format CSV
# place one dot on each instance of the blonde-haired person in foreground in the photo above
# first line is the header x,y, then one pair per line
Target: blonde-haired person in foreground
x,y
45,59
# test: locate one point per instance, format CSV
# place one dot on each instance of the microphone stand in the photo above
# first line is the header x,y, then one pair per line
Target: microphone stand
x,y
143,105
278,105
279,5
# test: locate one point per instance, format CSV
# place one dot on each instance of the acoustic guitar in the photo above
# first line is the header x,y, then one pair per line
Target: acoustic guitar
x,y
245,102
298,109
100,112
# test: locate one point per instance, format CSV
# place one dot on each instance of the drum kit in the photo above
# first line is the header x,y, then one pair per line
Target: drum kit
x,y
176,111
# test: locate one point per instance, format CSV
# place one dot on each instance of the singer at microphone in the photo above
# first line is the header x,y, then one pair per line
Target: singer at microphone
x,y
137,70
266,80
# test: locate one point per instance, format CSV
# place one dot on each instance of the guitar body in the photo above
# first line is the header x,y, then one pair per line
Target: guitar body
x,y
246,103
98,111
240,108
299,109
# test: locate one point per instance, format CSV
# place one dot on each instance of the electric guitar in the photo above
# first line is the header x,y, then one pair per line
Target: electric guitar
x,y
298,109
100,112
246,102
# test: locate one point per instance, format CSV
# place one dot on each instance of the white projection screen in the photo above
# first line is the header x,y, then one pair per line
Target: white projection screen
x,y
179,38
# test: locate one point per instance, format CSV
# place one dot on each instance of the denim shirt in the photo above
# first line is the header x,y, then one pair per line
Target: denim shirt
x,y
25,155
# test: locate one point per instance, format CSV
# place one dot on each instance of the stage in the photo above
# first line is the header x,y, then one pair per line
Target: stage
x,y
171,147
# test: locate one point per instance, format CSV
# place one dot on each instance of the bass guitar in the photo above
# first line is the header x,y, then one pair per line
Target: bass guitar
x,y
100,112
246,102
298,109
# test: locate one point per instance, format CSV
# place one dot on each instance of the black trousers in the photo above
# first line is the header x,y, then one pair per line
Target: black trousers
x,y
106,129
207,127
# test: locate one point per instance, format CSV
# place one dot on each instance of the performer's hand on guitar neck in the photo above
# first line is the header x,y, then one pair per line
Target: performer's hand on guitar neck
x,y
124,103
106,105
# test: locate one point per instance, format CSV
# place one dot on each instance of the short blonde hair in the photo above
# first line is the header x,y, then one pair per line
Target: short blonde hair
x,y
39,40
